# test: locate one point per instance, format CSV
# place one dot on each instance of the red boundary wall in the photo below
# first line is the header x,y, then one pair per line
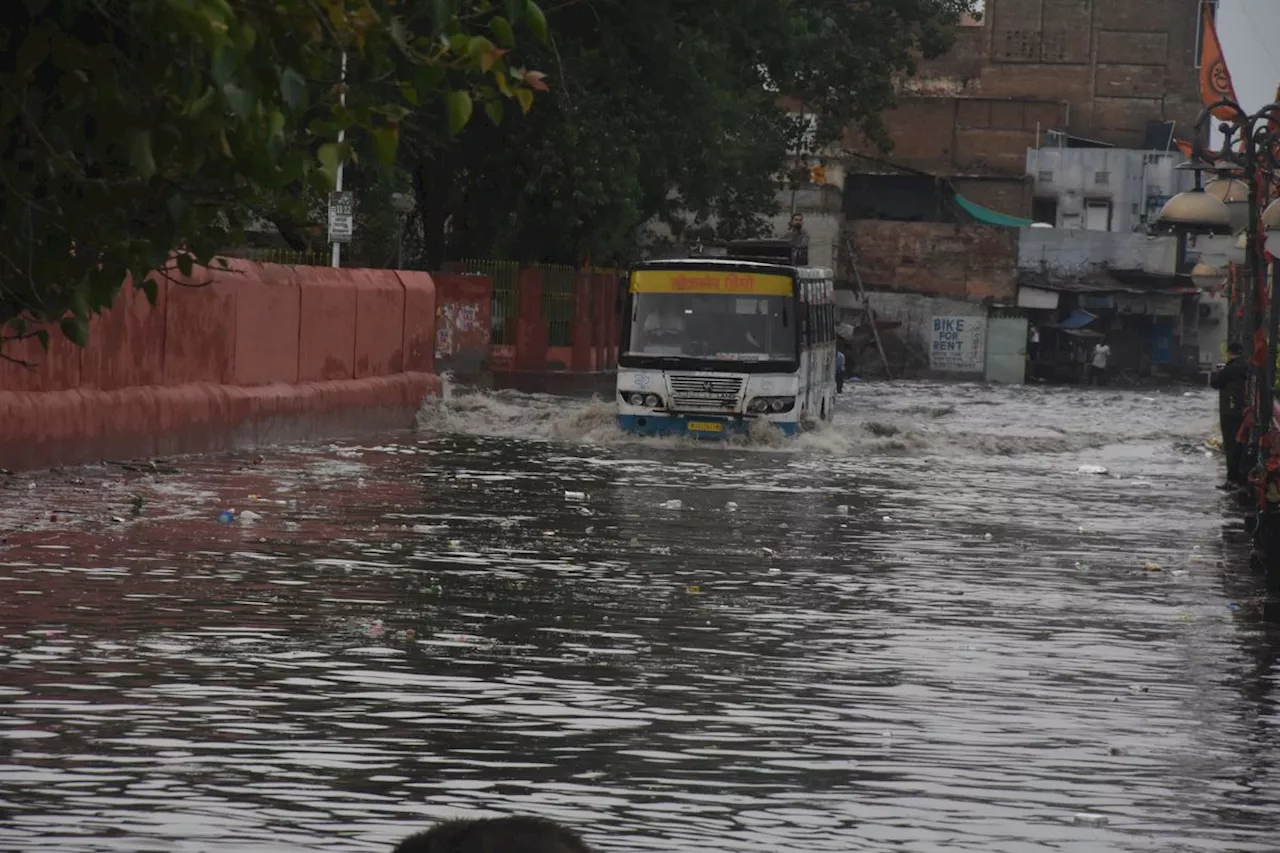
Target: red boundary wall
x,y
256,354
594,336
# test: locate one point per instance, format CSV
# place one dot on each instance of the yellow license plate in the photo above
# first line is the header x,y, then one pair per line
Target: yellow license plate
x,y
705,426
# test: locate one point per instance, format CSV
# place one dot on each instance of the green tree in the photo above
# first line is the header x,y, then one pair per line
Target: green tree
x,y
666,109
134,128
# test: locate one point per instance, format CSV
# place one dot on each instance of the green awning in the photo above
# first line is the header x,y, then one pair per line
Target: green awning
x,y
990,217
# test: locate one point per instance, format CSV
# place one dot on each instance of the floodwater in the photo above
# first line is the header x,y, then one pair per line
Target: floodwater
x,y
937,625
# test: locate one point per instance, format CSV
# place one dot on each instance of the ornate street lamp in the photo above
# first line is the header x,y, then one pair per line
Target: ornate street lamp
x,y
1250,154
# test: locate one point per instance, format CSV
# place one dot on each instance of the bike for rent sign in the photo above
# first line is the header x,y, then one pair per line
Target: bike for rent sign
x,y
958,344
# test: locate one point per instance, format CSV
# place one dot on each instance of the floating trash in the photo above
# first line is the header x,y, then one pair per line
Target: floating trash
x,y
227,516
731,507
1152,567
1085,819
843,509
575,496
673,504
1091,469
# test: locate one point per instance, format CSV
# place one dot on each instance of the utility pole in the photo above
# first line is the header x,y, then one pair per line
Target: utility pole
x,y
342,136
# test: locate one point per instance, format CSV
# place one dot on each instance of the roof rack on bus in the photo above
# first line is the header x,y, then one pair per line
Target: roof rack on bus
x,y
768,250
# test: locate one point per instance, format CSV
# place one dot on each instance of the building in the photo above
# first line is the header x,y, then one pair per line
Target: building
x,y
1102,189
1057,112
1118,73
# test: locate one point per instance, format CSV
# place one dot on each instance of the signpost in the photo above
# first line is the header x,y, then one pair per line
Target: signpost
x,y
342,209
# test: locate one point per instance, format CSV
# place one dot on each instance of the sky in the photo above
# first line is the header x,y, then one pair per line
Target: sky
x,y
1250,34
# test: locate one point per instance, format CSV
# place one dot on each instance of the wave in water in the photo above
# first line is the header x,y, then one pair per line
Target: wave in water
x,y
871,419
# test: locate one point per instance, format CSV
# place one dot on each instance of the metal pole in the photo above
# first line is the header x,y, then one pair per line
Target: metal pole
x,y
342,136
400,241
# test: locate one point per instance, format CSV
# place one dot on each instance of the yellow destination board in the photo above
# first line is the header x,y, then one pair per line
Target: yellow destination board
x,y
730,282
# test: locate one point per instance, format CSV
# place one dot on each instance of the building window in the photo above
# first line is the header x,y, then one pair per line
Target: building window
x,y
1045,177
1102,178
1044,210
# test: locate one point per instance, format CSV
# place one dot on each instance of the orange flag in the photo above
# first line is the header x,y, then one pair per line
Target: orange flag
x,y
1215,79
1185,148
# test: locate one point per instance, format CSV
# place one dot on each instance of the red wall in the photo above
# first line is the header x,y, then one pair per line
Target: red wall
x,y
254,354
464,322
595,330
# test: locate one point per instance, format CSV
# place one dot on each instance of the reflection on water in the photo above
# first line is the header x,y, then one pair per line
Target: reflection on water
x,y
921,629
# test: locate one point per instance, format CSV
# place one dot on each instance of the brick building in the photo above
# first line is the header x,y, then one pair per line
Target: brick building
x,y
1097,70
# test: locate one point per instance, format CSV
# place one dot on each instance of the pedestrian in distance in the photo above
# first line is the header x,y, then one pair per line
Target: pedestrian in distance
x,y
1098,363
495,835
1232,383
839,371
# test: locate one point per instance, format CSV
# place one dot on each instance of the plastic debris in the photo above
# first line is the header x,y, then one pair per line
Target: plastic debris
x,y
1152,567
1091,469
693,589
673,504
774,570
887,518
988,537
843,509
227,516
249,516
1085,819
1082,567
575,496
731,507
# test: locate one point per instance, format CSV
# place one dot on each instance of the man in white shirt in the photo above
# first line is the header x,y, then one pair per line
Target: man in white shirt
x,y
1098,367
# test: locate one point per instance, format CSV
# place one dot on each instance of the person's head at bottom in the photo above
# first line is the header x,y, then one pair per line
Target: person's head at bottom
x,y
1235,349
495,835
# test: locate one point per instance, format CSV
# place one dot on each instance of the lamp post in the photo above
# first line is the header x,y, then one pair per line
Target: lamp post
x,y
403,204
1249,156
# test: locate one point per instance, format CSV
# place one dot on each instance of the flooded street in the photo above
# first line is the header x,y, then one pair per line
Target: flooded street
x,y
960,618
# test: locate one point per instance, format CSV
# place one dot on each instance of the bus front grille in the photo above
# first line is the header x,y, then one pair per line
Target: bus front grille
x,y
706,393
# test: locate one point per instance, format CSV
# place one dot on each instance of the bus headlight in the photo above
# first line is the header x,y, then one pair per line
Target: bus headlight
x,y
777,405
642,399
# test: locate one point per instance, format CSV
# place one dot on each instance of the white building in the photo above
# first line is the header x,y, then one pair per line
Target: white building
x,y
1103,189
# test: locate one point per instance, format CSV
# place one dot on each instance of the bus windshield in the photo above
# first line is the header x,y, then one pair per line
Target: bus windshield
x,y
713,326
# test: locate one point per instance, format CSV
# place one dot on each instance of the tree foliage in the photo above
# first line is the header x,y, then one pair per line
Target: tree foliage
x,y
132,129
666,109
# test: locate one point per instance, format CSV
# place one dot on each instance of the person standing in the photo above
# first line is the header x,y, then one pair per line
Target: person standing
x,y
1098,366
839,371
1232,383
799,240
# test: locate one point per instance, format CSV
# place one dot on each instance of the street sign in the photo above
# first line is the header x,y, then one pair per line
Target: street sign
x,y
342,209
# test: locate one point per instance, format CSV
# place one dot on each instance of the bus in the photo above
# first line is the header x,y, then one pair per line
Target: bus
x,y
711,346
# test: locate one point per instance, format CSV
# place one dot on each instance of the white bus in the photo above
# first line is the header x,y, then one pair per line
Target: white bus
x,y
710,346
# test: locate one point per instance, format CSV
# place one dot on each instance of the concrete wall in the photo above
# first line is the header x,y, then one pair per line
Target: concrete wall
x,y
1062,253
1136,184
964,262
908,345
251,355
